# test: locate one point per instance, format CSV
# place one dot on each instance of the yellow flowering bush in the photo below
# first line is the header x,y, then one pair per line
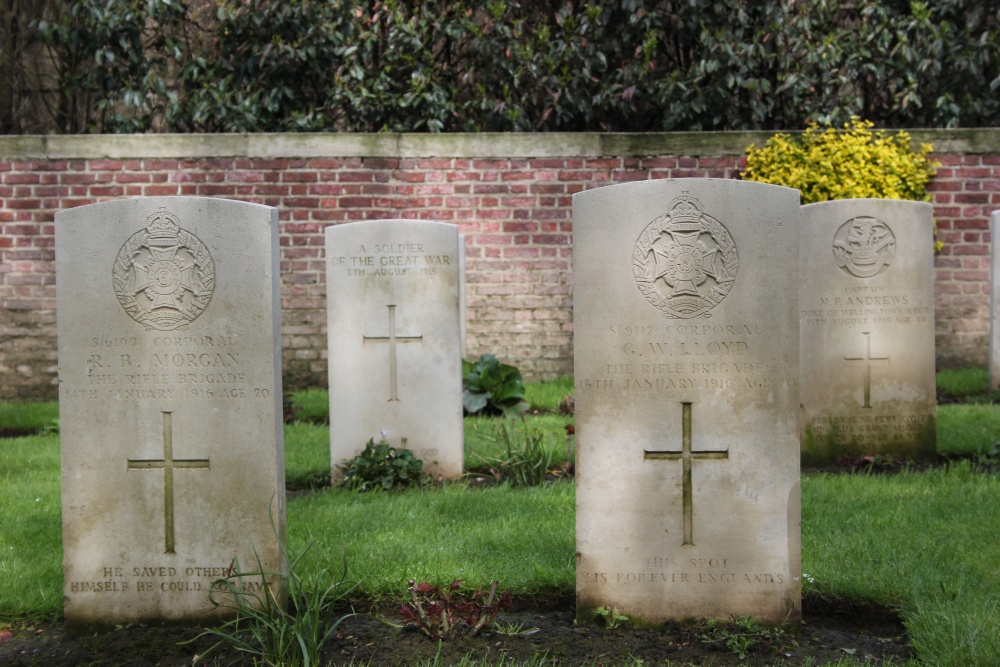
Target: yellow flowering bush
x,y
826,164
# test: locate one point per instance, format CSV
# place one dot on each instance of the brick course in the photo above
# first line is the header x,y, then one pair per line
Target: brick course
x,y
510,195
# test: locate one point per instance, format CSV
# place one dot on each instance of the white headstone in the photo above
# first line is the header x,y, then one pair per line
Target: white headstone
x,y
395,352
867,311
686,367
169,403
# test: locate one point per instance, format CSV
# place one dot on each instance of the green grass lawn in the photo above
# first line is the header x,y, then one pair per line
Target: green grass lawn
x,y
922,542
918,541
963,382
28,418
31,534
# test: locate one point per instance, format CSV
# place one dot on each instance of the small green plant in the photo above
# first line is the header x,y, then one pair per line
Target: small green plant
x,y
383,467
740,645
50,427
741,636
289,409
510,629
264,626
445,612
492,388
526,461
855,162
989,461
611,617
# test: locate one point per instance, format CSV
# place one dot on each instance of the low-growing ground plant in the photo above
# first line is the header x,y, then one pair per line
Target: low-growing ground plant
x,y
990,460
611,617
444,612
289,408
492,388
383,467
271,629
50,427
526,459
741,636
511,629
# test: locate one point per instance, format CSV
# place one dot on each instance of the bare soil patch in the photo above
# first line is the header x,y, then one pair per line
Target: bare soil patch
x,y
831,631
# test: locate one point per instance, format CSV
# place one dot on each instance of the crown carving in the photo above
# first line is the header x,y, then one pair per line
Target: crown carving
x,y
162,227
685,214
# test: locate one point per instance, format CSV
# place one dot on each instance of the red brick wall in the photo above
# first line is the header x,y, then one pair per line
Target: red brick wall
x,y
510,195
965,191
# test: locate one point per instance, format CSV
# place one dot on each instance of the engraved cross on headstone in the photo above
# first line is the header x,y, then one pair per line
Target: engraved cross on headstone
x,y
393,339
686,456
168,463
868,360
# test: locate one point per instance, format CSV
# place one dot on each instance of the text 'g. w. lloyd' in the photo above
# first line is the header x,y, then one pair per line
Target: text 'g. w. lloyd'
x,y
685,261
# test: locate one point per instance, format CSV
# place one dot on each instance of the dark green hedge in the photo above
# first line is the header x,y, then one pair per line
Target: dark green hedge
x,y
535,65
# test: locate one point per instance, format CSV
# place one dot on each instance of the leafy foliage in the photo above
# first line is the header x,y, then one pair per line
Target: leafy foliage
x,y
611,617
527,460
854,162
445,613
383,467
506,65
492,388
110,62
742,636
268,67
264,627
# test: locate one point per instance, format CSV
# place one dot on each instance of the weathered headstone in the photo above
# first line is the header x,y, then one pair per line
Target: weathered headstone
x,y
686,371
169,403
394,340
463,311
994,359
867,327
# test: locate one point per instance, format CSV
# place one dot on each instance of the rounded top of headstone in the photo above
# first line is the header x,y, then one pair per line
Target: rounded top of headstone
x,y
392,222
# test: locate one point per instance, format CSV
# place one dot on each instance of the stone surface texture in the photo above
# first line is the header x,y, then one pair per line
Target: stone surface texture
x,y
686,358
867,330
994,358
169,404
394,340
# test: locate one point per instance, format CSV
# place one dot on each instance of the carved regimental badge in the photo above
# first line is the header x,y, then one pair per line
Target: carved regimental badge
x,y
685,261
163,275
864,246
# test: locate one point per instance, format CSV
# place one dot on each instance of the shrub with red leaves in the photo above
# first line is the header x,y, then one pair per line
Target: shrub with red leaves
x,y
444,613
